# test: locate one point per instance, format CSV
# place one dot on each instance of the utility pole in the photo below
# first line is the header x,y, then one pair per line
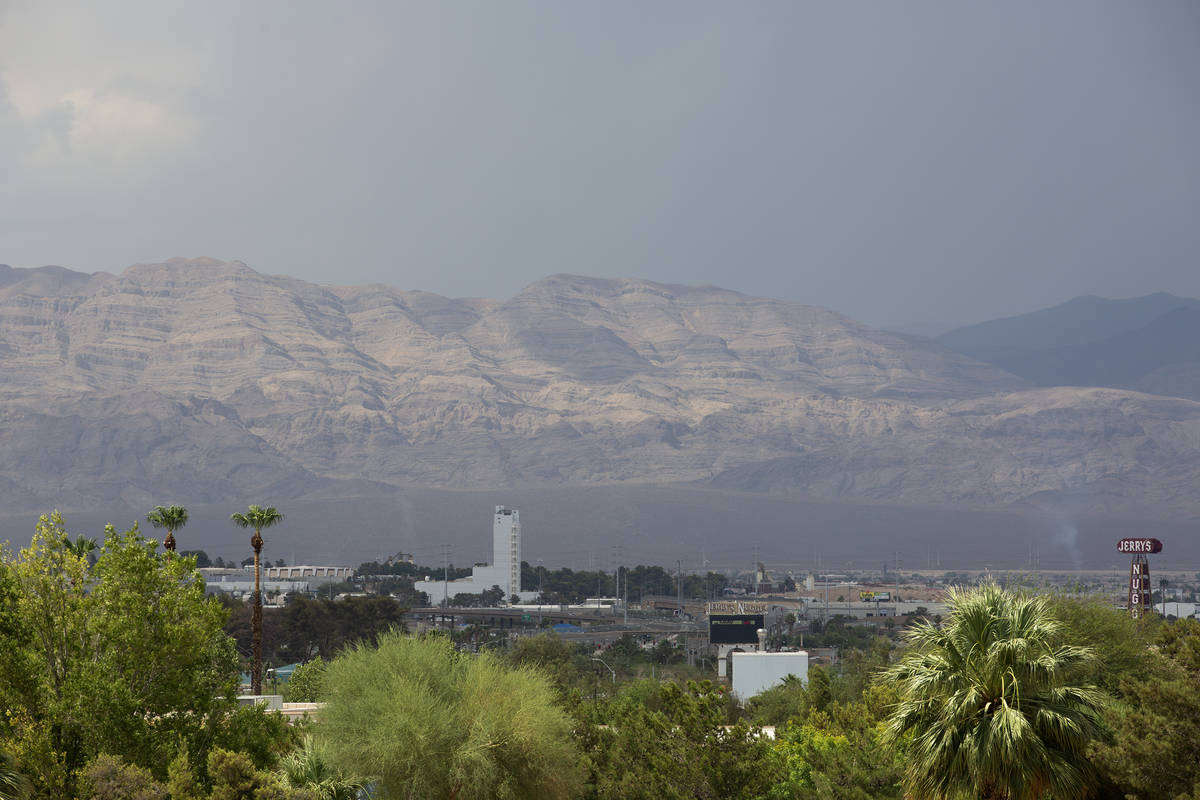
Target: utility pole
x,y
445,575
756,570
614,558
679,579
825,608
897,589
625,605
617,559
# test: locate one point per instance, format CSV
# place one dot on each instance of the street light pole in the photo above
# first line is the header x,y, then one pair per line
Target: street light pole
x,y
610,669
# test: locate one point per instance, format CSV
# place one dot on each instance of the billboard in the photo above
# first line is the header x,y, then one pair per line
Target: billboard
x,y
735,607
734,628
875,597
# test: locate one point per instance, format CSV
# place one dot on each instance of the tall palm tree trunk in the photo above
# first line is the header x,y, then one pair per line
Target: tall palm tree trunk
x,y
256,617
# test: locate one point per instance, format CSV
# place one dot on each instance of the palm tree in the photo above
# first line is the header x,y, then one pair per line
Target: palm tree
x,y
257,517
170,517
987,709
82,547
308,768
13,785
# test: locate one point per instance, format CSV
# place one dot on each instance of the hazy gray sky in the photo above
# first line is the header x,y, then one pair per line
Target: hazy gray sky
x,y
897,162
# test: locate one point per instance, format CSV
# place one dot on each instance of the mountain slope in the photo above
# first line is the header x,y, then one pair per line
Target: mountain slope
x,y
206,380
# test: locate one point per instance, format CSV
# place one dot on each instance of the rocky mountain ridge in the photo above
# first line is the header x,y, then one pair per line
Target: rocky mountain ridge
x,y
200,380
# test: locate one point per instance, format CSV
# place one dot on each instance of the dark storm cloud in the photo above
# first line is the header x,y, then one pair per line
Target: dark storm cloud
x,y
897,162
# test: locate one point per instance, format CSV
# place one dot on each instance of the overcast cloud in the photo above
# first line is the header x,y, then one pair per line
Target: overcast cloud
x,y
898,162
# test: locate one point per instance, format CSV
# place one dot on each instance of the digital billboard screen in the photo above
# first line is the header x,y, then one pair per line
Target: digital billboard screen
x,y
734,628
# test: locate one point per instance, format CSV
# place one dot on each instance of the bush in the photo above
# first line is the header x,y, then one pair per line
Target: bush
x,y
428,721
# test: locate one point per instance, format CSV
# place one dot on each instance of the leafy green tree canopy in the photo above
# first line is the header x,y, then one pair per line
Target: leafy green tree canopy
x,y
125,656
1155,751
671,742
307,683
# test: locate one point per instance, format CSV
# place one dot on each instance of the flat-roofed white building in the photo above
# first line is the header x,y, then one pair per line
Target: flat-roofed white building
x,y
307,572
303,578
757,672
1174,608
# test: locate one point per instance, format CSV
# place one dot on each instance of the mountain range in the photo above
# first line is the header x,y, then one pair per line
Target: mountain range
x,y
1148,344
203,381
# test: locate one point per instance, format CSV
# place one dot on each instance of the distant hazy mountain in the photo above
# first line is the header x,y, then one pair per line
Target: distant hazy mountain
x,y
200,381
1149,344
1082,320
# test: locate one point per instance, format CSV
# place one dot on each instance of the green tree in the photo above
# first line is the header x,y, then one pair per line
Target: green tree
x,y
259,735
550,654
50,582
170,517
823,760
839,754
202,559
146,603
126,657
671,742
307,683
820,688
307,627
426,721
1155,752
257,517
182,783
1119,642
786,700
790,700
986,708
19,672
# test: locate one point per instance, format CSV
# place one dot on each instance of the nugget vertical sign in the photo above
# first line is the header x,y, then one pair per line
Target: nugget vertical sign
x,y
1139,572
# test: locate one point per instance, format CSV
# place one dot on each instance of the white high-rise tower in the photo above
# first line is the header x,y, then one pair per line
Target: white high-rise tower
x,y
506,549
